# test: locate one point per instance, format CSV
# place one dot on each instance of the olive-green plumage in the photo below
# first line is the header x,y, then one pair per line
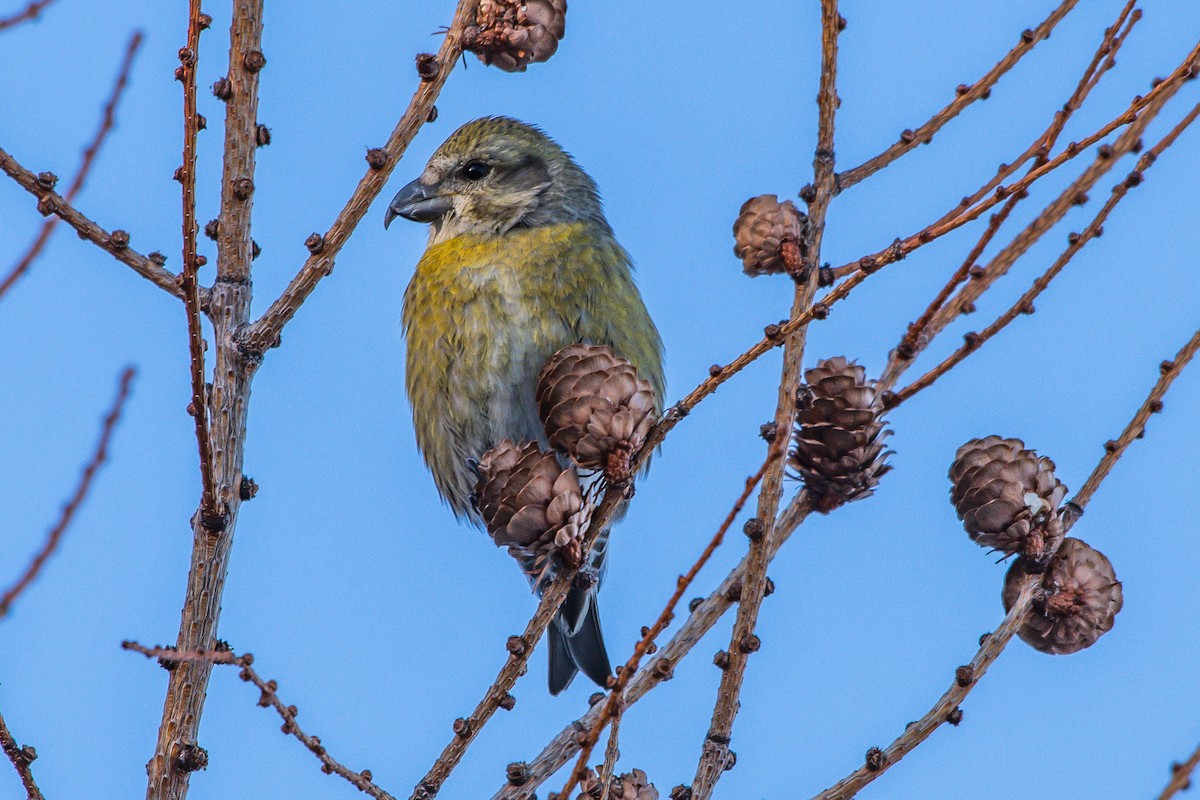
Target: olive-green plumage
x,y
521,262
483,314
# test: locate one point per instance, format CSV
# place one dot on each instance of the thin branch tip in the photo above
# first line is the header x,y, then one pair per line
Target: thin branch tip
x,y
78,497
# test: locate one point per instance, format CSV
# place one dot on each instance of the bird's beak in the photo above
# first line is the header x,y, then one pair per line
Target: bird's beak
x,y
418,202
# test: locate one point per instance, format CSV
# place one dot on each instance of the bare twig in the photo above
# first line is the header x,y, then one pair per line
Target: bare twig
x,y
969,210
246,61
115,242
715,755
30,12
965,679
1181,776
1115,449
612,753
264,333
171,658
703,616
81,492
21,757
984,278
858,271
1040,148
991,645
1102,60
189,57
614,705
564,746
1074,195
966,95
107,120
520,648
234,367
229,311
562,743
974,341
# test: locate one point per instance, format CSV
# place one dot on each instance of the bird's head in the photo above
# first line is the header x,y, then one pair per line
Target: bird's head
x,y
495,174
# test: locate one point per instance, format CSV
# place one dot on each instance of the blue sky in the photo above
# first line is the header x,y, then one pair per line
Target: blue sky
x,y
383,619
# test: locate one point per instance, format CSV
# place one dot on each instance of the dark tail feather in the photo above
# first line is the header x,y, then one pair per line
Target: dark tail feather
x,y
587,646
576,642
562,666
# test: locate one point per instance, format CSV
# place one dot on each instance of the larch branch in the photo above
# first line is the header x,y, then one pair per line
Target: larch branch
x,y
1102,60
614,705
107,119
966,678
54,537
1181,776
966,95
715,752
189,58
246,61
1073,196
703,615
991,645
520,648
1170,370
115,242
612,753
30,12
21,757
900,248
169,770
1024,305
170,658
265,333
860,269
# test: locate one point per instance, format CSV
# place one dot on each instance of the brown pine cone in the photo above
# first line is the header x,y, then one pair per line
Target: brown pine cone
x,y
1076,603
633,786
759,233
532,505
595,408
1007,497
837,445
590,787
511,34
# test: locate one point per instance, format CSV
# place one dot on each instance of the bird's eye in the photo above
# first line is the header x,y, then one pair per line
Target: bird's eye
x,y
475,170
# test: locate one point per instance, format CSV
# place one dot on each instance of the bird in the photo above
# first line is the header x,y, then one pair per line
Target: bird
x,y
520,263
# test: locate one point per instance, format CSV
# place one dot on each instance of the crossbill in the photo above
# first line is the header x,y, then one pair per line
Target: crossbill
x,y
520,263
